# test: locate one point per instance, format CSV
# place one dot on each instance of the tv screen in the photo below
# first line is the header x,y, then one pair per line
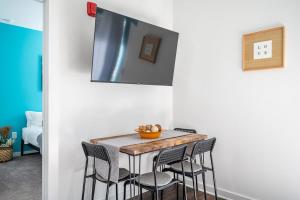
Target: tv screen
x,y
127,50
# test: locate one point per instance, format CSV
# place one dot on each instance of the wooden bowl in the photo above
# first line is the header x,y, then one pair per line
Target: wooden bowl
x,y
148,135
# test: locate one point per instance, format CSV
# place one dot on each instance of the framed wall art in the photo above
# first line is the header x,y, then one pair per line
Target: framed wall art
x,y
263,49
150,48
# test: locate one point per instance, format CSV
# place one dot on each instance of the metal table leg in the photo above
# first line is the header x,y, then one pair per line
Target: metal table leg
x,y
133,175
130,176
140,158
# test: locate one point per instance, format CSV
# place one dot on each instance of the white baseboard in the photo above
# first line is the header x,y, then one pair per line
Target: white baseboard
x,y
223,193
17,154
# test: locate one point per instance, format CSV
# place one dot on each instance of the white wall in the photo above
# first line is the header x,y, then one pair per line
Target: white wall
x,y
25,13
254,115
80,110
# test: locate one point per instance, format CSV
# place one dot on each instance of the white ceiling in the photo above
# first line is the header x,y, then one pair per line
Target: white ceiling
x,y
25,13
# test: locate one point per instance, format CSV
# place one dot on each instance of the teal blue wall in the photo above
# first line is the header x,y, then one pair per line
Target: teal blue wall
x,y
20,76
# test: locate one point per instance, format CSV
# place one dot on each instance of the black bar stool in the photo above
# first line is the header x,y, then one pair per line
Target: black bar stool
x,y
192,169
156,181
100,152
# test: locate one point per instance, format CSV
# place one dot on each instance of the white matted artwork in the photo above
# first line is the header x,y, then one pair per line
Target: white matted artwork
x,y
262,50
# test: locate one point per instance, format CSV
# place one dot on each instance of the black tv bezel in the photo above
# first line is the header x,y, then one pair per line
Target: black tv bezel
x,y
131,83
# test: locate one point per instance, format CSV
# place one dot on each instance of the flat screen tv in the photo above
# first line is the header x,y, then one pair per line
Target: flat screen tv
x,y
127,50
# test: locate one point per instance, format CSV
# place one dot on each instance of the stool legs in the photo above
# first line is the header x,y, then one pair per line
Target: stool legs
x,y
156,195
93,188
141,193
84,180
204,185
214,176
107,191
177,185
194,187
197,187
117,192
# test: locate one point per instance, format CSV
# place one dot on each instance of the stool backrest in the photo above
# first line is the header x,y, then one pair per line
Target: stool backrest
x,y
170,156
203,146
95,151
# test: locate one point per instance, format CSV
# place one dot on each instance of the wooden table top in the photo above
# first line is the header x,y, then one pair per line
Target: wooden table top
x,y
147,147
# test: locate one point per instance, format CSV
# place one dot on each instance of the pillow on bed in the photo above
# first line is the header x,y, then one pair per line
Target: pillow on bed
x,y
34,118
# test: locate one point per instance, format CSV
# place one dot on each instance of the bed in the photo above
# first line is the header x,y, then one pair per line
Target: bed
x,y
32,133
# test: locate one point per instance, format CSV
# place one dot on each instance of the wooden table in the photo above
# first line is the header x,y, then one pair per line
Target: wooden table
x,y
147,147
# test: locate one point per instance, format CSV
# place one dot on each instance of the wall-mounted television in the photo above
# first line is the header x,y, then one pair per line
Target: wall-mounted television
x,y
127,50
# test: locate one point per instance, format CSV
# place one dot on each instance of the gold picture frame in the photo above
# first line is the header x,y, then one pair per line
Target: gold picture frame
x,y
264,49
150,47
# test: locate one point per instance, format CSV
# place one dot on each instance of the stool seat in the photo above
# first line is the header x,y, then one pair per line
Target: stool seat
x,y
123,174
147,179
187,167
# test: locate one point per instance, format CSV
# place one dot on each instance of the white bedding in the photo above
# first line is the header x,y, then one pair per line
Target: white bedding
x,y
30,135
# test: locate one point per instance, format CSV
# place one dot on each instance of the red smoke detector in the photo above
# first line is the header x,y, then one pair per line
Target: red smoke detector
x,y
91,9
